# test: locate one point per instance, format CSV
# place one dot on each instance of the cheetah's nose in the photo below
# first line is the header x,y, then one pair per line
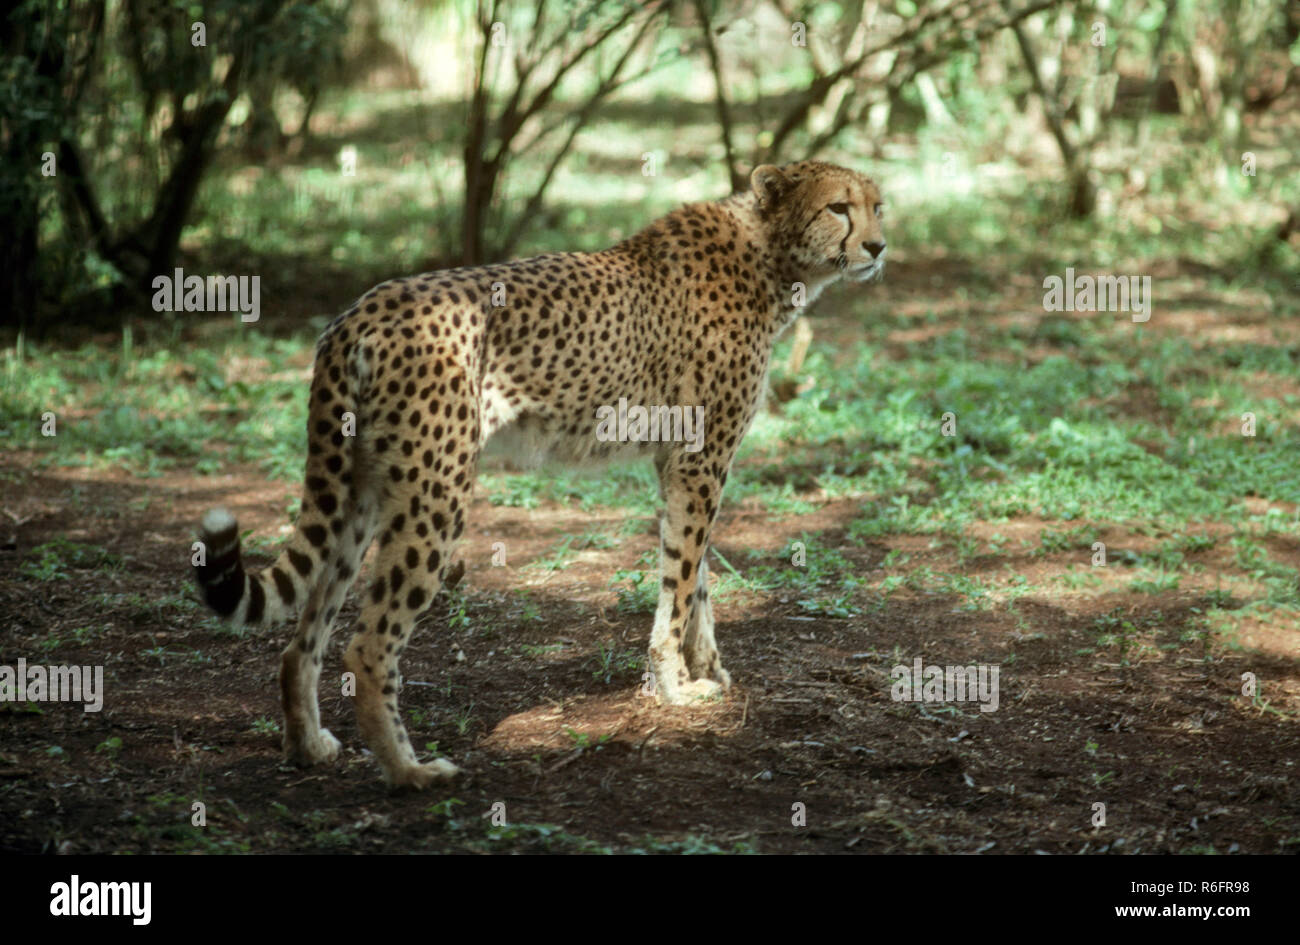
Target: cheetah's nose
x,y
875,249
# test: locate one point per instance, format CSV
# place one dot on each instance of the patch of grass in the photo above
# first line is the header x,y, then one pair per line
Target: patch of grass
x,y
638,591
1028,439
335,839
1191,543
85,635
529,609
138,608
458,618
145,411
419,717
584,740
558,559
463,718
628,486
1159,582
112,747
1079,538
445,808
818,579
263,725
1281,583
690,845
54,560
596,539
543,837
610,663
1077,579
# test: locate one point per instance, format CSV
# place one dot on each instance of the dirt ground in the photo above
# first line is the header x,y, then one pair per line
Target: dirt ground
x,y
540,706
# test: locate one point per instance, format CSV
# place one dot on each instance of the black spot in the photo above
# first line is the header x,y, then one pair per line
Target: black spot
x,y
283,585
301,562
256,602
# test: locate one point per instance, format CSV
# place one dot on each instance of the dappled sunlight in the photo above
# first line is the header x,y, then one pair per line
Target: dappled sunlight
x,y
590,724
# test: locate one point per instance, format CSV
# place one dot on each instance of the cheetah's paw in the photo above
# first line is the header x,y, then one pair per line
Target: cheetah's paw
x,y
697,690
312,750
419,777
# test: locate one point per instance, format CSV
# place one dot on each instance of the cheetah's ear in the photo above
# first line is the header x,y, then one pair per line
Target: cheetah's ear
x,y
769,185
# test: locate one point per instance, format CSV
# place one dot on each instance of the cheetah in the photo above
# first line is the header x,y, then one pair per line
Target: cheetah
x,y
412,381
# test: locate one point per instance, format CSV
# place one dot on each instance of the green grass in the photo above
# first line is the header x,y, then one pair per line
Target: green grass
x,y
1047,439
610,663
149,412
265,726
637,590
819,580
54,560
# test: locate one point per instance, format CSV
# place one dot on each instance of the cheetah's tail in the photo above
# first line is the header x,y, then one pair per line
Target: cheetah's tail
x,y
272,595
261,599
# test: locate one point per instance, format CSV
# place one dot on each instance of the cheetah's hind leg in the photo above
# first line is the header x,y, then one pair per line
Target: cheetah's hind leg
x,y
306,743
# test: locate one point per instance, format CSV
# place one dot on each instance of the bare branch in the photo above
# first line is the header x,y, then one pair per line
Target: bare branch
x,y
922,52
607,86
720,99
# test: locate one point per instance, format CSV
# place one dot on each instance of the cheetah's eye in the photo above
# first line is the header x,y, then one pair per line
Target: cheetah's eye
x,y
840,208
880,210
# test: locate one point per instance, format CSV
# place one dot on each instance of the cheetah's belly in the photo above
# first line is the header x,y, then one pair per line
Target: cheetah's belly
x,y
532,441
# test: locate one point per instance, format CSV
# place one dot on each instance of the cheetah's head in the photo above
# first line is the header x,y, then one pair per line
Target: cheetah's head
x,y
828,219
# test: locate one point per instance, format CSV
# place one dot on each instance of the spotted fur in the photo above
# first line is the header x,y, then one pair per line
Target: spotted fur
x,y
413,380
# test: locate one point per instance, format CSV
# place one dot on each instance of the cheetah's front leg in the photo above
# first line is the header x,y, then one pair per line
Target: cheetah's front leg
x,y
699,647
683,628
